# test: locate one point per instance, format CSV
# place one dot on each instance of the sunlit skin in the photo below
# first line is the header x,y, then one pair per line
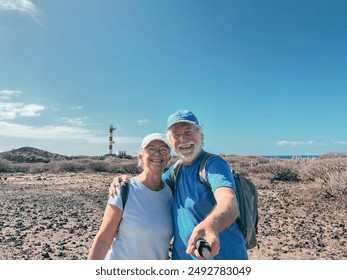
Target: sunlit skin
x,y
186,141
153,165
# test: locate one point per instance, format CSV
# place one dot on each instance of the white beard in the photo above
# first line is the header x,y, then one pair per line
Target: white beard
x,y
189,158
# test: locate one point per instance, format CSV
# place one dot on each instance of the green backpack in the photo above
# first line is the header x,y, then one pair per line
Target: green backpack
x,y
247,198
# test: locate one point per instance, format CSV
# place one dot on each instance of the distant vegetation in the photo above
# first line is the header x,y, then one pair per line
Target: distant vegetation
x,y
31,160
329,170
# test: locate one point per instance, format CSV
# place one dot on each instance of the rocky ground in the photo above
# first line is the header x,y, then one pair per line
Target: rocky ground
x,y
56,216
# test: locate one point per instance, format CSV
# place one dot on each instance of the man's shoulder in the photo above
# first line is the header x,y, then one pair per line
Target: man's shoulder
x,y
204,156
213,159
216,164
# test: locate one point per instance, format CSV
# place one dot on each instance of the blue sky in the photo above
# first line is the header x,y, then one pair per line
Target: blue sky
x,y
264,77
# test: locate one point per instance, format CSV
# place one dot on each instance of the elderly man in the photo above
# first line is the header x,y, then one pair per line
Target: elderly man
x,y
199,212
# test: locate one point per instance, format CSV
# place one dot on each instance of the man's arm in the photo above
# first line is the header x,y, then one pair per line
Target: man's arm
x,y
220,218
118,181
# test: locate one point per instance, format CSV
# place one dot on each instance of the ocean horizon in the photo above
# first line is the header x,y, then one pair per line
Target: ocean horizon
x,y
291,156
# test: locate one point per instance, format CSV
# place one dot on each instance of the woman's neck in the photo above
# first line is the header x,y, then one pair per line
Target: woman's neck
x,y
151,181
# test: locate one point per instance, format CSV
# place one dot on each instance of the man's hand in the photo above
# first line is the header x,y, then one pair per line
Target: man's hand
x,y
117,183
221,217
204,230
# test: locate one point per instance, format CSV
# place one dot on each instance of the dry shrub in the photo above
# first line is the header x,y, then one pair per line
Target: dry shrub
x,y
242,163
8,167
331,173
113,166
334,155
98,166
128,167
285,170
5,166
65,166
38,168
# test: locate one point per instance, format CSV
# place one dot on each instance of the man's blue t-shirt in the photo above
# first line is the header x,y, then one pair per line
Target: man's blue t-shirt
x,y
193,201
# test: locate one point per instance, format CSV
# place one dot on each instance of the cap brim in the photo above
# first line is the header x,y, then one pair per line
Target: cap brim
x,y
155,139
181,121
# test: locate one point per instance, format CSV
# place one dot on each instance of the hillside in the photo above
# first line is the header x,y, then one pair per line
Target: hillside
x,y
31,155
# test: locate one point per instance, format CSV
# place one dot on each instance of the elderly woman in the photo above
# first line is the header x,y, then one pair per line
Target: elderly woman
x,y
144,228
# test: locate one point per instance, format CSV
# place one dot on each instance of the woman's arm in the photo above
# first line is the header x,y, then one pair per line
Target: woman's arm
x,y
103,239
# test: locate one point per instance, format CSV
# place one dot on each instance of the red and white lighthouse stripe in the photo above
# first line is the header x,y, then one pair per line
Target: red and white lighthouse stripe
x,y
110,139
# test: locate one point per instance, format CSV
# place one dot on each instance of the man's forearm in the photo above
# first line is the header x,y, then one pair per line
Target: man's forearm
x,y
225,212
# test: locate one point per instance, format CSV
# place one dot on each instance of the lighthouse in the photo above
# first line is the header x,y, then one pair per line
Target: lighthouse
x,y
111,128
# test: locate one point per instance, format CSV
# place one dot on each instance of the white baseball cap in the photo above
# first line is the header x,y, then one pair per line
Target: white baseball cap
x,y
152,137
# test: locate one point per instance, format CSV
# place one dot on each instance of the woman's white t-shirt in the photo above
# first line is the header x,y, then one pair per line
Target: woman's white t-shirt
x,y
146,227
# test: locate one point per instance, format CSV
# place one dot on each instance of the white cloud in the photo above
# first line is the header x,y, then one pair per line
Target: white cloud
x,y
294,143
76,107
7,94
63,133
309,143
74,121
10,111
10,92
24,6
143,122
127,140
48,132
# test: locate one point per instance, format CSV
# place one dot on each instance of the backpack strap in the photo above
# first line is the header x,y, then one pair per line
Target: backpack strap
x,y
175,170
124,192
202,169
172,188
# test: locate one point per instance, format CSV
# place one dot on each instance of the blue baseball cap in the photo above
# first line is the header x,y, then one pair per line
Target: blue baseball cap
x,y
181,116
